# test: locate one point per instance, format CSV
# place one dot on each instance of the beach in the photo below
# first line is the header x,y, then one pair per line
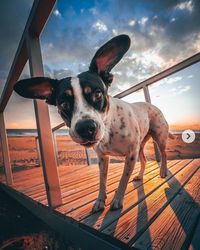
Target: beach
x,y
24,153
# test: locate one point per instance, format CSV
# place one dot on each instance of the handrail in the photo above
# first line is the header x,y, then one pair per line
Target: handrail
x,y
175,68
58,126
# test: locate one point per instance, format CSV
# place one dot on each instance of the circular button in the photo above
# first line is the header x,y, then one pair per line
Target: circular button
x,y
188,136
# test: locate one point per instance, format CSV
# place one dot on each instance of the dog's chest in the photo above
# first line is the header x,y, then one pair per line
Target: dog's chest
x,y
120,132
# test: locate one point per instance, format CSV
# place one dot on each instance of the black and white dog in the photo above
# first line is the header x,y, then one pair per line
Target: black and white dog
x,y
111,126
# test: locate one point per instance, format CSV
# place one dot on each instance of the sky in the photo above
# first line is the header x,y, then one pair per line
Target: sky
x,y
162,34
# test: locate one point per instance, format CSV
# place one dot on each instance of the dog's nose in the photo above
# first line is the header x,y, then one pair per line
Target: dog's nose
x,y
87,129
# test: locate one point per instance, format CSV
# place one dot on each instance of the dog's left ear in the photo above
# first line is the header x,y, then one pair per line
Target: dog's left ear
x,y
108,56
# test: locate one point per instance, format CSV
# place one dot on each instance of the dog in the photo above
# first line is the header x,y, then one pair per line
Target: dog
x,y
95,119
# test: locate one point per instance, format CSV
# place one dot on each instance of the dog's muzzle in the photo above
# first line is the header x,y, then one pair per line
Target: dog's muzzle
x,y
87,130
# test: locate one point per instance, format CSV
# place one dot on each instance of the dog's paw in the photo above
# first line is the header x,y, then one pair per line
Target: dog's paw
x,y
98,206
116,203
163,173
137,178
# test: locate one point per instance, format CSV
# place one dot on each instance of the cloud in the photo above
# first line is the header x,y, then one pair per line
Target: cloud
x,y
173,79
57,13
184,89
187,5
143,20
179,90
132,22
100,26
173,19
93,10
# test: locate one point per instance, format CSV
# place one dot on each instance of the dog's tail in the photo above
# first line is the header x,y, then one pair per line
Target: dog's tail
x,y
171,136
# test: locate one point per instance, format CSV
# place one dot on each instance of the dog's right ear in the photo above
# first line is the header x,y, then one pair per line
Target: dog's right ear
x,y
108,55
38,88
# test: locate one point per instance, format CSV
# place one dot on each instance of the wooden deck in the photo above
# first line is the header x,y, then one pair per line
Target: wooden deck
x,y
157,213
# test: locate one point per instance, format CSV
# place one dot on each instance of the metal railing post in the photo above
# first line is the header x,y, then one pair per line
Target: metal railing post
x,y
38,151
148,99
55,147
5,151
48,158
88,156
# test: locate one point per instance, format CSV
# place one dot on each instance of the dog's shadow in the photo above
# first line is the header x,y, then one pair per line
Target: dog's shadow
x,y
185,205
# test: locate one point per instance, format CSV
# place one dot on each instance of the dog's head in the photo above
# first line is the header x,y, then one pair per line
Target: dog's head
x,y
82,101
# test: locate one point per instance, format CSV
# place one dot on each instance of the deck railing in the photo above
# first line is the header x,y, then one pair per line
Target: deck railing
x,y
54,129
29,49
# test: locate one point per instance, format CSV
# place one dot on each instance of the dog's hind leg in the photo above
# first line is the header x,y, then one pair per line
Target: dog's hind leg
x,y
142,159
161,141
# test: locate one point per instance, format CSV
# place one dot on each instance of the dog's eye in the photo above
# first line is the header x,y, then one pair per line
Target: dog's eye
x,y
97,95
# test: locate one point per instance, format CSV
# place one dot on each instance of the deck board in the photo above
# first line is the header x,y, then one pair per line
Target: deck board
x,y
154,210
178,220
84,212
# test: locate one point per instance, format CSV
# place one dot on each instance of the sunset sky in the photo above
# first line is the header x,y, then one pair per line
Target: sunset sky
x,y
163,33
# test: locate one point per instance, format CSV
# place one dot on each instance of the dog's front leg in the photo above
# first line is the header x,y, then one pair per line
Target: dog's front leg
x,y
130,161
103,171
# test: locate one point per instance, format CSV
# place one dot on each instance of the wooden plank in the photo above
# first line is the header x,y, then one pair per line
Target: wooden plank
x,y
81,182
82,207
113,176
64,173
174,227
86,198
103,219
5,151
69,179
44,129
131,225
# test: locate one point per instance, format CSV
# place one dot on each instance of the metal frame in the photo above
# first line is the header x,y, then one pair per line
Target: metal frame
x,y
49,164
5,151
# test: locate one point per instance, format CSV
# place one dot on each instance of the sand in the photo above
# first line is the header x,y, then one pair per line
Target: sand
x,y
23,152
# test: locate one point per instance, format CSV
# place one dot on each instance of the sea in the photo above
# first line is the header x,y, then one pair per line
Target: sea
x,y
32,132
59,132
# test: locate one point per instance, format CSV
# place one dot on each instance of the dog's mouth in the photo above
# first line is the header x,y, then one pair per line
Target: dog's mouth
x,y
88,143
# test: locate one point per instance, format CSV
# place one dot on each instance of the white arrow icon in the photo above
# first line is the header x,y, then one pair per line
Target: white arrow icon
x,y
188,136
